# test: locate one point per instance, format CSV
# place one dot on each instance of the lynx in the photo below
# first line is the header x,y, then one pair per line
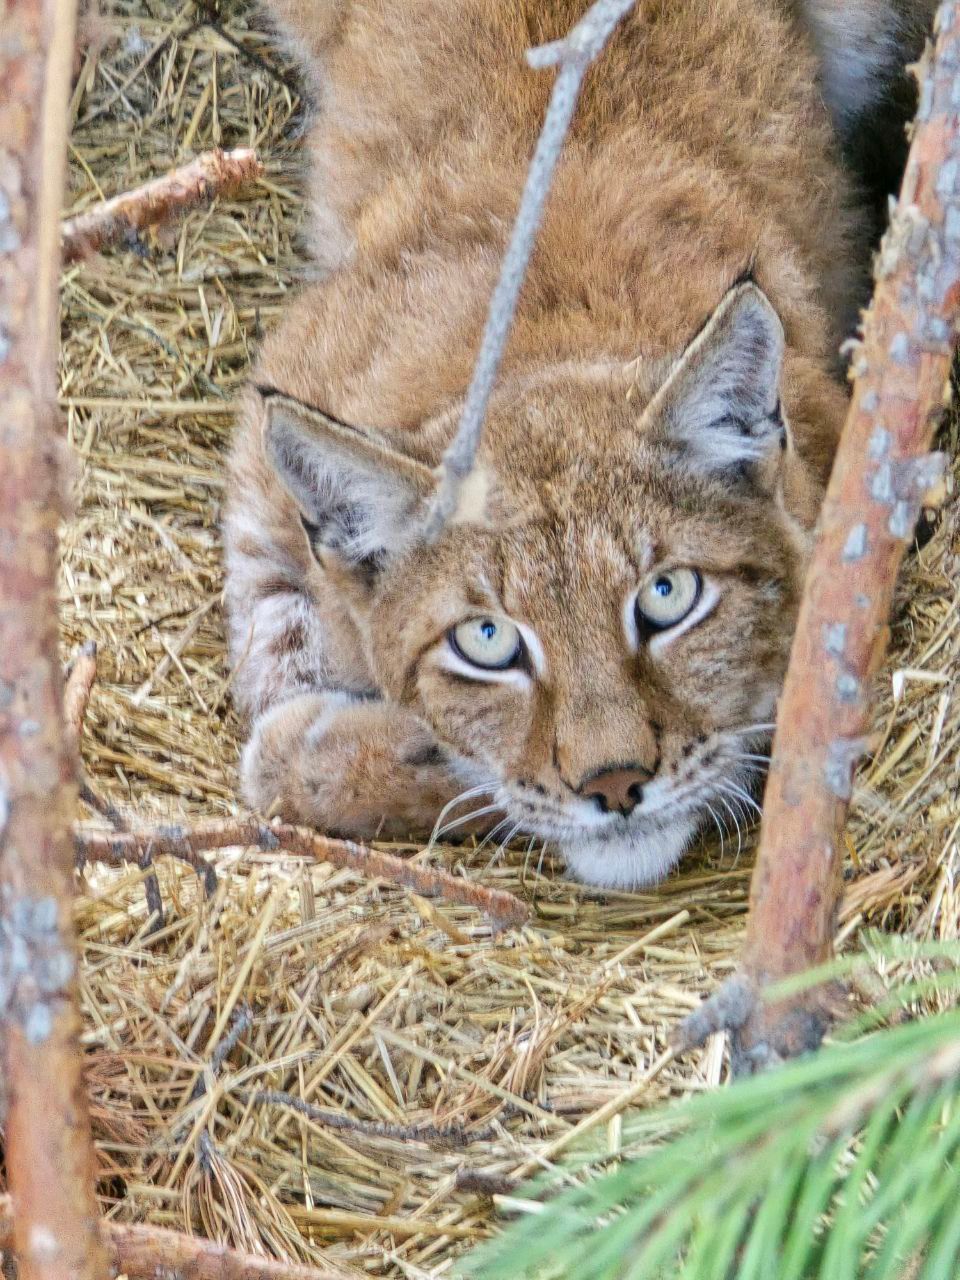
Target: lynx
x,y
592,650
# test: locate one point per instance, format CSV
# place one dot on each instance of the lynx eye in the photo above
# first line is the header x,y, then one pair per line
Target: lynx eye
x,y
491,643
667,598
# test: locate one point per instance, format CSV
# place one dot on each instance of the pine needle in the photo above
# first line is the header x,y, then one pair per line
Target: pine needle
x,y
843,1166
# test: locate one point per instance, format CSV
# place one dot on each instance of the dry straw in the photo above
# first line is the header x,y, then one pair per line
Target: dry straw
x,y
402,1015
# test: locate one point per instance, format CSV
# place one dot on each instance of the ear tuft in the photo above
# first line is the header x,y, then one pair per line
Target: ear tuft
x,y
720,404
358,497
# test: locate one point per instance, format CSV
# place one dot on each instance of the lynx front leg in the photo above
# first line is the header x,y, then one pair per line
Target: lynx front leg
x,y
347,766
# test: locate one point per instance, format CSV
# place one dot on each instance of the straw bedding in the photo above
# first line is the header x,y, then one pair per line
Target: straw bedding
x,y
444,1053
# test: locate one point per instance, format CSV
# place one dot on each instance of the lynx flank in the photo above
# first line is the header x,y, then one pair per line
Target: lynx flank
x,y
592,650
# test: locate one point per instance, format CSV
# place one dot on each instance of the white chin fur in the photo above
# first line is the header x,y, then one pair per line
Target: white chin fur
x,y
629,861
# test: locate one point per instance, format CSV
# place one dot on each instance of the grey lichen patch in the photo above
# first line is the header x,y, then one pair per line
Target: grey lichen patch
x,y
947,178
870,402
848,687
835,638
907,235
855,547
899,349
914,477
903,520
36,963
842,756
906,482
878,445
881,484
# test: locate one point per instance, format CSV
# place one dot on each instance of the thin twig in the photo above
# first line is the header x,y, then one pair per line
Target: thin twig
x,y
79,685
573,55
140,847
190,843
115,221
76,696
450,1136
241,1021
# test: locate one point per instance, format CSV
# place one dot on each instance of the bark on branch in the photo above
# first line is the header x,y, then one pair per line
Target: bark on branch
x,y
190,843
48,1149
882,476
144,1253
115,221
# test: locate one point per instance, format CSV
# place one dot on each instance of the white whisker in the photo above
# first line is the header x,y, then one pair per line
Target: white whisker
x,y
460,822
498,852
744,795
471,793
736,824
717,823
492,833
766,727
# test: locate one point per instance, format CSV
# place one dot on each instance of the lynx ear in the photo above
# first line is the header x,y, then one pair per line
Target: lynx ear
x,y
720,404
358,497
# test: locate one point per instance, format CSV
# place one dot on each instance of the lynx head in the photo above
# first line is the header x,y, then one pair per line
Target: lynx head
x,y
599,635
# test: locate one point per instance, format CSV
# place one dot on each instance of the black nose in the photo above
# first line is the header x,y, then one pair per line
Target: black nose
x,y
617,790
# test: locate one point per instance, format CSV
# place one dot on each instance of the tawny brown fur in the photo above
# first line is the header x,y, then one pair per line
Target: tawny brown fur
x,y
701,147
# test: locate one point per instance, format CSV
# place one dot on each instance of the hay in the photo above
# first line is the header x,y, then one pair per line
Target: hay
x,y
362,999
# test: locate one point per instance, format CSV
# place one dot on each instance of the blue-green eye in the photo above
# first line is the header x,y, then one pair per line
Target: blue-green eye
x,y
668,597
491,643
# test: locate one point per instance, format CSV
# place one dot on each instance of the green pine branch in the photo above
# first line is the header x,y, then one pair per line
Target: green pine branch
x,y
841,1166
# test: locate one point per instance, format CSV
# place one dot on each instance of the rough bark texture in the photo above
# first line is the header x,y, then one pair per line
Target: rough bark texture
x,y
881,477
49,1155
190,843
146,1253
118,221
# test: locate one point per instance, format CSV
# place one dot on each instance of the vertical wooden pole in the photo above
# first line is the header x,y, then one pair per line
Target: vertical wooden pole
x,y
882,476
49,1152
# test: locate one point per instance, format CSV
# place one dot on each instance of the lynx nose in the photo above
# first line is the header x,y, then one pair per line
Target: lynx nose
x,y
617,790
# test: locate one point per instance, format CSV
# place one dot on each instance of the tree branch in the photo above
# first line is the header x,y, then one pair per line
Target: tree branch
x,y
881,478
118,220
48,1148
144,1253
190,844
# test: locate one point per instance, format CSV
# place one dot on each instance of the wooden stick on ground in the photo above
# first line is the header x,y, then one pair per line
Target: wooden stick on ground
x,y
114,221
144,1253
79,686
190,844
881,477
48,1148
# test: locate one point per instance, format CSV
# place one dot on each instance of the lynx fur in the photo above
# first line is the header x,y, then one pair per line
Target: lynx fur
x,y
662,428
